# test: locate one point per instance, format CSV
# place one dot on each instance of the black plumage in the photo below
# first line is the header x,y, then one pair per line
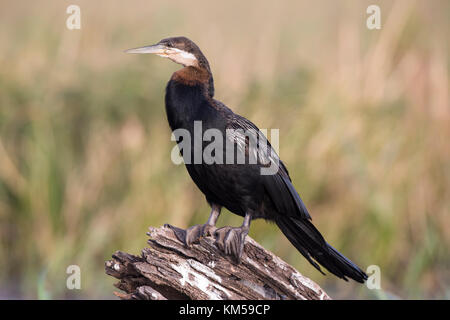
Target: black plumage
x,y
241,188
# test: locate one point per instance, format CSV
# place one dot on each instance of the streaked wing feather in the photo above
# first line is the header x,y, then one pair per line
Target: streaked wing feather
x,y
278,186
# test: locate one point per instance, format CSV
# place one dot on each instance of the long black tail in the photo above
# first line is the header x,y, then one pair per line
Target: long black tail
x,y
308,240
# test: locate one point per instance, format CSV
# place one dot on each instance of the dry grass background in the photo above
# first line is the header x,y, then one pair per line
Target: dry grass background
x,y
364,118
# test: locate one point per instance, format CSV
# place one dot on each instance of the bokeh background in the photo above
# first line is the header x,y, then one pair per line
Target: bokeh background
x,y
364,118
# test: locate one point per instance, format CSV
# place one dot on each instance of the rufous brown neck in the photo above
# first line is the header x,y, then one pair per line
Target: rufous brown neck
x,y
195,75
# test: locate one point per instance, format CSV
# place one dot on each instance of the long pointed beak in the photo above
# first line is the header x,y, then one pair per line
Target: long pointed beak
x,y
158,49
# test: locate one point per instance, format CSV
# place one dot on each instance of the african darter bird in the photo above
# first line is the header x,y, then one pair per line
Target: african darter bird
x,y
239,187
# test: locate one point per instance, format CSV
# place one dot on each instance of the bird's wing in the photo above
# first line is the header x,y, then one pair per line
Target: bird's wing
x,y
278,185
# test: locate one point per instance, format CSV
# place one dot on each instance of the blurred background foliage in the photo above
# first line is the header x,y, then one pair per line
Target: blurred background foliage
x,y
364,122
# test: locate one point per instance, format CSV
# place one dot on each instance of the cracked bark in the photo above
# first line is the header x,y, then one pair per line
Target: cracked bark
x,y
169,270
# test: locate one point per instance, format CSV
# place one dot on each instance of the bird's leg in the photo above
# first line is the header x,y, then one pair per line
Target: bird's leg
x,y
231,239
194,233
210,226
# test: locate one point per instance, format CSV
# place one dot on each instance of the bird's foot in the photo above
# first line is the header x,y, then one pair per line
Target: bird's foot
x,y
192,234
231,241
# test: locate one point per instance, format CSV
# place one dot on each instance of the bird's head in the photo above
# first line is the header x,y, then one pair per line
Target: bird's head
x,y
185,52
178,49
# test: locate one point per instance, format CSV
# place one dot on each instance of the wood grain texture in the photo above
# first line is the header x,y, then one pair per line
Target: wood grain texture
x,y
169,270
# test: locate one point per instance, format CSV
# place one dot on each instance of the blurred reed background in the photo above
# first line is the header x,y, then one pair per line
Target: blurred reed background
x,y
364,122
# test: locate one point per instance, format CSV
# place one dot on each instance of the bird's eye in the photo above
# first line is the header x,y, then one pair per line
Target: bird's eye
x,y
168,44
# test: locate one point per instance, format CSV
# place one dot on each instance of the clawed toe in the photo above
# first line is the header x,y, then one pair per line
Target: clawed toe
x,y
231,241
208,230
179,233
192,234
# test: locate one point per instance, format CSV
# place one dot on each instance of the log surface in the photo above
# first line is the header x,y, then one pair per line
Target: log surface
x,y
169,270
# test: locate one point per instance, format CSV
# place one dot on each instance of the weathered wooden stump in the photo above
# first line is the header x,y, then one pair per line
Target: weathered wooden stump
x,y
169,270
